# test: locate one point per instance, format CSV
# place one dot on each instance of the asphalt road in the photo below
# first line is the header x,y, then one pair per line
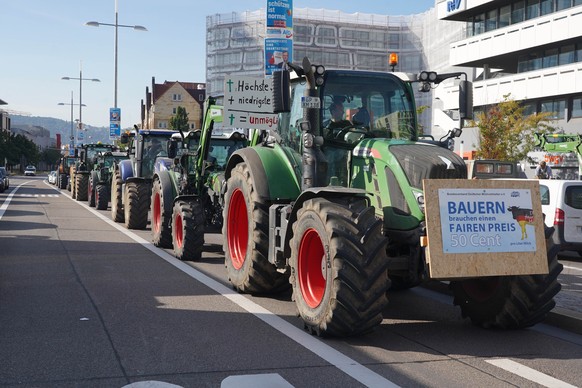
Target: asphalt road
x,y
86,303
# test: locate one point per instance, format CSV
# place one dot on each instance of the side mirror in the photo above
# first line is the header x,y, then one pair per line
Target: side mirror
x,y
281,91
172,149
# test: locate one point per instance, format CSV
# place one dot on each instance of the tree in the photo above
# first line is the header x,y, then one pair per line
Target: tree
x,y
17,149
180,120
506,133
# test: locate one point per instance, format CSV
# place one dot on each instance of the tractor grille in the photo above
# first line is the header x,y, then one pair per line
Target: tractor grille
x,y
428,162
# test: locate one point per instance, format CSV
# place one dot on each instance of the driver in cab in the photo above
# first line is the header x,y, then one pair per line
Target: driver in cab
x,y
338,120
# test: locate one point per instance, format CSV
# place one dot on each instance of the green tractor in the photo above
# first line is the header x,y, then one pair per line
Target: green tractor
x,y
333,204
101,177
81,172
187,199
132,179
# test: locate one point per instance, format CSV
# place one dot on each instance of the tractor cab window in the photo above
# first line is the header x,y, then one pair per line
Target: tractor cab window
x,y
289,123
379,105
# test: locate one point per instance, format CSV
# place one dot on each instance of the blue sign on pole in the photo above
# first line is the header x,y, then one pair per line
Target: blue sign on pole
x,y
114,123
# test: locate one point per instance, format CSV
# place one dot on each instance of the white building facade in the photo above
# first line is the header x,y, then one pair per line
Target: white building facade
x,y
528,49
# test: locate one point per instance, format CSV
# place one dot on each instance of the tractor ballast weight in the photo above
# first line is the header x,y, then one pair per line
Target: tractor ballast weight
x,y
338,212
132,180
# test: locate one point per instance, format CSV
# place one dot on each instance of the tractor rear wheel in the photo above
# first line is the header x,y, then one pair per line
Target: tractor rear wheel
x,y
510,302
136,205
81,187
246,231
101,197
161,222
339,267
188,230
117,213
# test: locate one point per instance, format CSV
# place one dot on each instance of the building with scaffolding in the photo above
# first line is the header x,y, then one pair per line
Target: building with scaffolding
x,y
338,40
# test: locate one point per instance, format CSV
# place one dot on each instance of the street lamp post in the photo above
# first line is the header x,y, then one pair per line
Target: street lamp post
x,y
81,79
72,138
116,25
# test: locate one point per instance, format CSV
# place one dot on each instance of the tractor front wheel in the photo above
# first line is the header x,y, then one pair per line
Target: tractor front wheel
x,y
188,230
101,197
161,222
117,213
136,205
246,231
510,302
81,187
339,267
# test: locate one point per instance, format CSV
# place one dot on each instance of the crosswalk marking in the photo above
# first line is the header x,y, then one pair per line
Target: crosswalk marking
x,y
38,195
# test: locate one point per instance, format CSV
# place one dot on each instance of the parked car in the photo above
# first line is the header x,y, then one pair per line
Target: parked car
x,y
30,171
52,177
4,179
562,208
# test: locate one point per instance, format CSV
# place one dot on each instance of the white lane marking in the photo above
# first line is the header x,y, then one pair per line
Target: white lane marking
x,y
9,198
573,268
529,373
347,365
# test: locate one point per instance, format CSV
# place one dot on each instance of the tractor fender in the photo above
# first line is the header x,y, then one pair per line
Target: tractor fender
x,y
163,164
168,190
126,169
271,171
328,192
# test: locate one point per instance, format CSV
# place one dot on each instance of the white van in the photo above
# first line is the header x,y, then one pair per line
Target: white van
x,y
562,208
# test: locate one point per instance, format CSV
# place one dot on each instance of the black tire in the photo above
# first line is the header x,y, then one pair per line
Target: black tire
x,y
188,230
510,302
161,221
339,267
246,243
101,197
117,213
136,205
82,187
63,181
91,188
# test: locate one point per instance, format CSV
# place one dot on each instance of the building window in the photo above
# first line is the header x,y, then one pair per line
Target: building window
x,y
479,24
550,58
566,55
563,4
176,97
529,108
504,16
577,107
491,21
532,9
326,36
547,6
555,107
518,12
577,2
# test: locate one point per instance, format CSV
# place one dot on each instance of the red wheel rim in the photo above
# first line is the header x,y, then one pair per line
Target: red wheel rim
x,y
237,228
481,289
311,268
178,231
156,213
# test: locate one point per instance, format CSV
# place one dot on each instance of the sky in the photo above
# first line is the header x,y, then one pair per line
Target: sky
x,y
44,41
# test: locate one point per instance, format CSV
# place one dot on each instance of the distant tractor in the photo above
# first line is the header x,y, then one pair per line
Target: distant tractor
x,y
81,171
132,180
188,198
101,177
